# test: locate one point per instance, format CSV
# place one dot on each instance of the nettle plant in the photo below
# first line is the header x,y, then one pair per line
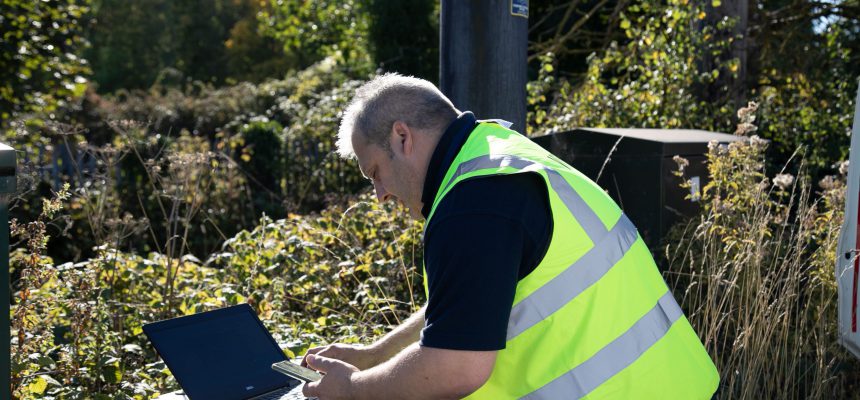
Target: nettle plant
x,y
67,335
347,274
32,338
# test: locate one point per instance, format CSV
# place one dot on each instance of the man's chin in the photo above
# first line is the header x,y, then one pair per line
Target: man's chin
x,y
415,214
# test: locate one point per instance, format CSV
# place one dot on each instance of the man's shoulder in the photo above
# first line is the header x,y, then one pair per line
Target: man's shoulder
x,y
512,196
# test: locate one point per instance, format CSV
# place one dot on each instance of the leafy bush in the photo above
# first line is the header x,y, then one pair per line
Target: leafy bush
x,y
674,72
313,30
135,44
244,163
649,82
347,274
812,110
354,267
40,64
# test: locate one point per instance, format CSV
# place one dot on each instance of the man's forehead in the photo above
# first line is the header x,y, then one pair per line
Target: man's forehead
x,y
361,156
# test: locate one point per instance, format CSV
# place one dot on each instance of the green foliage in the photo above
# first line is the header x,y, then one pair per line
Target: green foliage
x,y
812,110
313,170
676,70
313,30
571,30
347,274
261,154
649,82
178,166
209,159
40,67
251,56
136,44
353,270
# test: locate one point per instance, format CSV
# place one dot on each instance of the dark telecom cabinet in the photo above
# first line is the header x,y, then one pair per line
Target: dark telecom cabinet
x,y
638,174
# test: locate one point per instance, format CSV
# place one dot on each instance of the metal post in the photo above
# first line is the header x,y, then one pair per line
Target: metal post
x,y
482,57
8,186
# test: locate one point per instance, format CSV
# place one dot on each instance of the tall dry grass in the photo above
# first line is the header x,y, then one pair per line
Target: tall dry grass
x,y
754,274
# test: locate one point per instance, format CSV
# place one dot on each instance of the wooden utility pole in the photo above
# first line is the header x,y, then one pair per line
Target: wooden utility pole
x,y
482,57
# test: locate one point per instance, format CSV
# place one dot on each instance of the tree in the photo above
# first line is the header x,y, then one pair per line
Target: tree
x,y
313,30
573,29
40,63
138,43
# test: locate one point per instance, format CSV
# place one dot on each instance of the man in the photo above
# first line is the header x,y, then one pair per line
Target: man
x,y
538,286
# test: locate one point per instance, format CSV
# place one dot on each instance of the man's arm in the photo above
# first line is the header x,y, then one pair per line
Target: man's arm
x,y
398,339
364,357
417,372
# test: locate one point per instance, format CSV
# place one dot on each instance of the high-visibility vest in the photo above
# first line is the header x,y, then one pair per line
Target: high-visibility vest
x,y
595,318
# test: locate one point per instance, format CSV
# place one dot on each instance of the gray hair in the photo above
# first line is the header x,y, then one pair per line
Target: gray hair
x,y
388,98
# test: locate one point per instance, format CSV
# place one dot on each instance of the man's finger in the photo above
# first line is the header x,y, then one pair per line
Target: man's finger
x,y
310,389
309,352
324,364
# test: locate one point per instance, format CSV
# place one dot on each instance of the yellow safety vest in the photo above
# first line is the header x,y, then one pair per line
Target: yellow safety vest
x,y
594,319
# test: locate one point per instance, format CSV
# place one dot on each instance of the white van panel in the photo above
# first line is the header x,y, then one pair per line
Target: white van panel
x,y
848,256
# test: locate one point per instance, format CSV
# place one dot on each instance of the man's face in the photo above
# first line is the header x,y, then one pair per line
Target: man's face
x,y
395,175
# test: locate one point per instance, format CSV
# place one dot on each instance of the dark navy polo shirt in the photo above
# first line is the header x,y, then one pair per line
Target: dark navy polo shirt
x,y
486,234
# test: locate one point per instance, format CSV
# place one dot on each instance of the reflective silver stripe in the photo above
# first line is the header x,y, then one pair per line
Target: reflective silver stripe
x,y
506,124
487,162
586,217
590,222
616,356
579,276
608,246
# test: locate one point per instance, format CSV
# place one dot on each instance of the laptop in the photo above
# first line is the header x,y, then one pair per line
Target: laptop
x,y
224,354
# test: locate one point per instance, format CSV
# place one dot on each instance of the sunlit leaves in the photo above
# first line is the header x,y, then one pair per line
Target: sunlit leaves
x,y
649,82
38,385
39,66
312,30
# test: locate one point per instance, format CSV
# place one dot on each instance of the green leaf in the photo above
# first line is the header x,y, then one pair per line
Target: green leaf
x,y
716,3
51,381
112,374
38,385
289,353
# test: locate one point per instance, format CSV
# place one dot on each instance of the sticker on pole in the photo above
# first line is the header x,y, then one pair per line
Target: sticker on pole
x,y
520,8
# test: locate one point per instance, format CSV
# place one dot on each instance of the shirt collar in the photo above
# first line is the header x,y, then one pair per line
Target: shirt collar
x,y
446,150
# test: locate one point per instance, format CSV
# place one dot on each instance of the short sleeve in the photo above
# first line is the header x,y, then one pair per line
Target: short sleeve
x,y
481,238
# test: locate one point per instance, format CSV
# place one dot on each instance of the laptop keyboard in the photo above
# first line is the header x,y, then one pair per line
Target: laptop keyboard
x,y
285,394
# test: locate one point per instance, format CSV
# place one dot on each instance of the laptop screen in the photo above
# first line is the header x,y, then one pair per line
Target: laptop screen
x,y
221,354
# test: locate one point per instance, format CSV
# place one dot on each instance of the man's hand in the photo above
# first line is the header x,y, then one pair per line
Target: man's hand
x,y
362,357
336,382
454,374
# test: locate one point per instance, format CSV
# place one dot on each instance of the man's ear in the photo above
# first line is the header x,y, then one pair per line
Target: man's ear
x,y
402,138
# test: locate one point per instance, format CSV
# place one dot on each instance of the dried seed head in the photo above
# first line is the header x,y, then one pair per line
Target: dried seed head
x,y
843,168
783,181
682,163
